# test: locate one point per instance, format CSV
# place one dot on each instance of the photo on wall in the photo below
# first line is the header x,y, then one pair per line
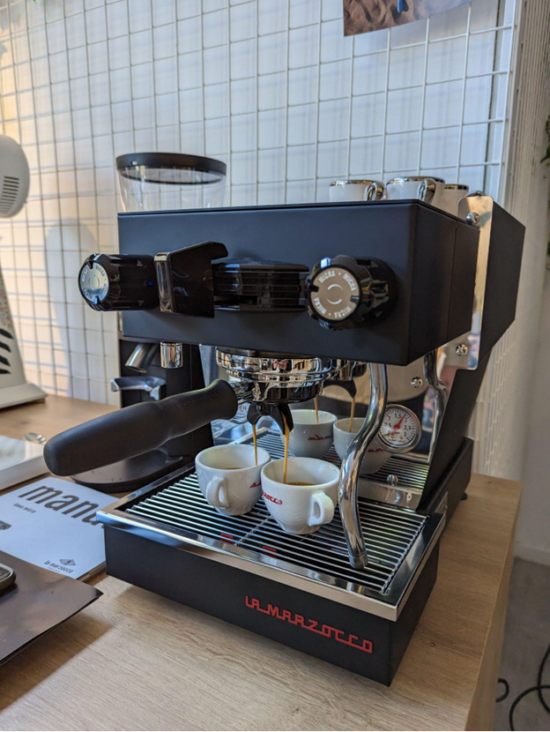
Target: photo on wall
x,y
363,16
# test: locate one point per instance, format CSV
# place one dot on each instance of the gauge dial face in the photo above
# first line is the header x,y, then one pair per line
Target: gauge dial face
x,y
400,429
94,283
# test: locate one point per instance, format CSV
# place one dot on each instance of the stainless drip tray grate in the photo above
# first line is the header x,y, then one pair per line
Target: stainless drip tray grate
x,y
389,533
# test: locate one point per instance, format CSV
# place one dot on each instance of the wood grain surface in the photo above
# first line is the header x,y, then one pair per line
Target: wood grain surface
x,y
135,661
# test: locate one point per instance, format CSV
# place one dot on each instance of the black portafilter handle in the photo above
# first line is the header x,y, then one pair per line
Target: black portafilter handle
x,y
137,429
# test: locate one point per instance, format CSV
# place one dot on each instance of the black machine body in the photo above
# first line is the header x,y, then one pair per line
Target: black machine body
x,y
294,298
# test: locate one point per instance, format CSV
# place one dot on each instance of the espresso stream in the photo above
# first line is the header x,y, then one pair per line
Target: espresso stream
x,y
287,439
255,444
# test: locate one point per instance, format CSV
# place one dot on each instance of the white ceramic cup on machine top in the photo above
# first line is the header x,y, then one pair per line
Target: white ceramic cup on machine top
x,y
424,187
376,455
355,190
310,438
229,478
301,509
452,193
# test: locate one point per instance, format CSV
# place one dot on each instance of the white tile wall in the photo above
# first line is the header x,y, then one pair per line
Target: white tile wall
x,y
271,87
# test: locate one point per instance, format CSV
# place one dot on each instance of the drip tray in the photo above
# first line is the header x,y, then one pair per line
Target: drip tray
x,y
398,541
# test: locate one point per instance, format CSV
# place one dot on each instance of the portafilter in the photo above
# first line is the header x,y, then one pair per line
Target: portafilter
x,y
268,380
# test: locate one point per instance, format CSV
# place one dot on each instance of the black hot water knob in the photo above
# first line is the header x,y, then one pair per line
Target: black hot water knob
x,y
119,282
347,293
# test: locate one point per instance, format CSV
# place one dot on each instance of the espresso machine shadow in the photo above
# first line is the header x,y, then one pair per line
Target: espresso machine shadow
x,y
293,298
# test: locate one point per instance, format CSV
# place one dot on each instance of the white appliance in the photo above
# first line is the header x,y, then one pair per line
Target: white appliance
x,y
14,188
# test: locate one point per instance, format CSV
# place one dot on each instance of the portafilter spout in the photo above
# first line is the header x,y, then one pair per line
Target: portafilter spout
x,y
349,474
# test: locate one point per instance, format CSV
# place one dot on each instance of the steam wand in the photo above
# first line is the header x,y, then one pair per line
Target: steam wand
x,y
351,464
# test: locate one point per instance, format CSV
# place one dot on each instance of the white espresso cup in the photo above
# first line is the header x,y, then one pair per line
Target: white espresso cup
x,y
376,455
301,509
425,188
229,478
452,194
355,190
310,438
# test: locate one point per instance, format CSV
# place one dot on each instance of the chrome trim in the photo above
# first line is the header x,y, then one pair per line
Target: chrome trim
x,y
432,379
164,281
481,205
141,357
149,384
347,490
406,492
171,355
442,505
419,178
299,378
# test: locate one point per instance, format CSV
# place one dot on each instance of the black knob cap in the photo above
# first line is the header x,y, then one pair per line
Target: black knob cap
x,y
119,282
347,293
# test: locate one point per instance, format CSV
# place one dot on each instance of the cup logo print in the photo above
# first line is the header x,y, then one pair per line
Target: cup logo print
x,y
271,498
316,438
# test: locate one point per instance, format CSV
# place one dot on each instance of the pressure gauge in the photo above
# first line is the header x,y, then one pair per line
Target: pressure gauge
x,y
400,430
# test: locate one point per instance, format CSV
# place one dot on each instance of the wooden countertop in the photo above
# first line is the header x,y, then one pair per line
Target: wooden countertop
x,y
136,661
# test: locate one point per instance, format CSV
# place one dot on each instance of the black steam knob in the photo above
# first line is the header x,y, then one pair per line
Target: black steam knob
x,y
347,293
119,282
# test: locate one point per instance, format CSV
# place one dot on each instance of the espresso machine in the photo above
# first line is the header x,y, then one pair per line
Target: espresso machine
x,y
293,298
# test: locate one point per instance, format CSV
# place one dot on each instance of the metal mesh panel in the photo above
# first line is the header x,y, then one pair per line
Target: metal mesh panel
x,y
273,89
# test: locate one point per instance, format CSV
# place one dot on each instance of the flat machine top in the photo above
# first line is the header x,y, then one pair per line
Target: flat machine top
x,y
287,207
